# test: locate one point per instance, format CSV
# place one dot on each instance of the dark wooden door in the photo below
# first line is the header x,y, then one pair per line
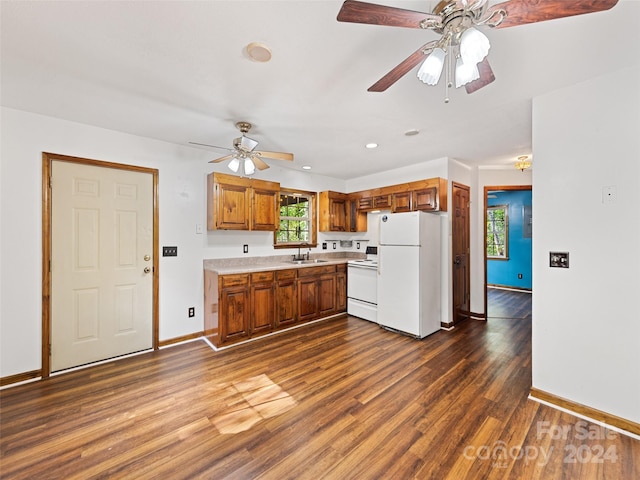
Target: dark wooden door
x,y
460,253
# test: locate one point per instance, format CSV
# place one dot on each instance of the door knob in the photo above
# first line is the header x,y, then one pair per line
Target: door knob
x,y
147,270
147,258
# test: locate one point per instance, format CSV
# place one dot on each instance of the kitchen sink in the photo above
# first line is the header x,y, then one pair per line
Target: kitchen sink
x,y
306,262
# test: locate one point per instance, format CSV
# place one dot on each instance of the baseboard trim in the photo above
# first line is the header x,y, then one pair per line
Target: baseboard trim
x,y
182,339
446,326
622,424
21,378
477,316
507,287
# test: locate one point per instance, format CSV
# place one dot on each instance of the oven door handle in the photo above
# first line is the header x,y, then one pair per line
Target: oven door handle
x,y
365,267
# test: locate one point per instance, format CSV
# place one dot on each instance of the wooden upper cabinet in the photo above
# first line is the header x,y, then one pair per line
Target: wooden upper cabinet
x,y
338,213
334,212
429,194
237,203
265,209
402,202
425,199
231,206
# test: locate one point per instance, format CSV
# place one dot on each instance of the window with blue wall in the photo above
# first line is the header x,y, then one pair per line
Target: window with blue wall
x,y
505,272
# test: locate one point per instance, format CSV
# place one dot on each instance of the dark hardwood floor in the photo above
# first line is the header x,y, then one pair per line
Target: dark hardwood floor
x,y
341,399
502,303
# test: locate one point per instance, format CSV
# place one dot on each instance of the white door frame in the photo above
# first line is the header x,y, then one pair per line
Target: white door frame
x,y
47,159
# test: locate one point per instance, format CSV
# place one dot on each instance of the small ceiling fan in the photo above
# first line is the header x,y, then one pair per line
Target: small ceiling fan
x,y
460,42
243,155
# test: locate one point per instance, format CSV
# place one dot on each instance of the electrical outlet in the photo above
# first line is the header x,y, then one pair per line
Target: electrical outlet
x,y
324,245
519,276
245,249
169,251
334,245
192,312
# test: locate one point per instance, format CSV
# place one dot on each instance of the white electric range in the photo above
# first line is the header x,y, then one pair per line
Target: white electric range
x,y
362,278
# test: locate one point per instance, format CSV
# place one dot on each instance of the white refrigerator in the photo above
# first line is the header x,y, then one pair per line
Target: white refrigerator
x,y
409,273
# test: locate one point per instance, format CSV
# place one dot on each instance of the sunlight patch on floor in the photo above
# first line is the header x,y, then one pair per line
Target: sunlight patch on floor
x,y
261,399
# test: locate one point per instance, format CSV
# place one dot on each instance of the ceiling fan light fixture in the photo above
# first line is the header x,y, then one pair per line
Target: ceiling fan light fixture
x,y
249,167
474,46
431,68
523,163
234,165
465,72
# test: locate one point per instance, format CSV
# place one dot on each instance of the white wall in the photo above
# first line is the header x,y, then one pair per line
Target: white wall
x,y
182,204
586,333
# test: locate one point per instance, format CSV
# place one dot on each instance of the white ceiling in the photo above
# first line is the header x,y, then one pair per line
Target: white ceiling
x,y
177,71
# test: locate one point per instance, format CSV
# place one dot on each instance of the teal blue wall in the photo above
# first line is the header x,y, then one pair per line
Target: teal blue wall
x,y
505,272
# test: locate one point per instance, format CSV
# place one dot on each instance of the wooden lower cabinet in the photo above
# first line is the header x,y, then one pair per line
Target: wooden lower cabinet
x,y
261,302
235,310
286,298
341,288
307,298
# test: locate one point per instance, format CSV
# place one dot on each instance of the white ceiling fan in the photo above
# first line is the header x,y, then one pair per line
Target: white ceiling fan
x,y
243,156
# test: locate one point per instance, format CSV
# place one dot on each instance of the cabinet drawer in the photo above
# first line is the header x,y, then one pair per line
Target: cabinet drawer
x,y
382,201
365,203
342,267
311,271
234,280
286,274
259,277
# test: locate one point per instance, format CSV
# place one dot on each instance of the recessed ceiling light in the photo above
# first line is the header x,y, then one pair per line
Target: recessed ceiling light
x,y
412,132
306,167
371,145
259,52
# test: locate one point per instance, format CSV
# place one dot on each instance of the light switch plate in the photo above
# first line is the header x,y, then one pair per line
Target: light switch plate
x,y
559,259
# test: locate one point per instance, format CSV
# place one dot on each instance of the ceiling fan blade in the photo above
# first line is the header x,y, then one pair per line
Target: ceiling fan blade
x,y
258,162
362,12
276,155
397,73
520,12
212,146
222,159
486,77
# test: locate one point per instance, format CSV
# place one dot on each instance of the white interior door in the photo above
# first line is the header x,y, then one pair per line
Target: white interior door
x,y
101,263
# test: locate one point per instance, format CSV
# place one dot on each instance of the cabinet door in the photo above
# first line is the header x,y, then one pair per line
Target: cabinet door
x,y
231,206
425,199
265,211
326,295
307,299
262,308
402,202
234,314
341,291
382,201
338,214
286,303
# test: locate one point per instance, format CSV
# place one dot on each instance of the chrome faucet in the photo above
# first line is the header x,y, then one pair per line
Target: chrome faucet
x,y
301,256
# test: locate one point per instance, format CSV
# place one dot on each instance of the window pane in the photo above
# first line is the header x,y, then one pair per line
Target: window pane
x,y
497,231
